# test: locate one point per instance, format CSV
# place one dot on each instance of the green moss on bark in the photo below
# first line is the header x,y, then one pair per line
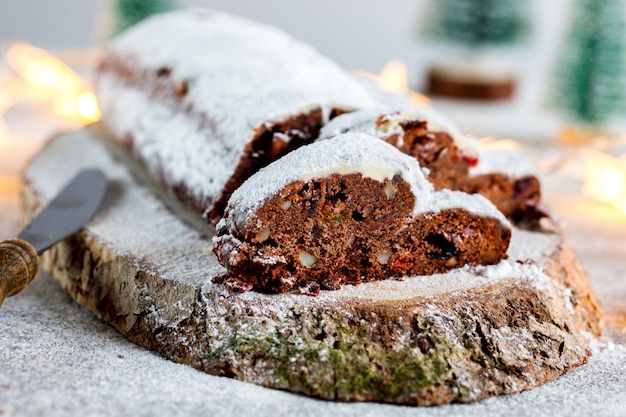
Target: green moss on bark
x,y
331,361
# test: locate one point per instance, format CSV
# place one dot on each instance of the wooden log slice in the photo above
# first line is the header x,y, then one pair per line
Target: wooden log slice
x,y
455,337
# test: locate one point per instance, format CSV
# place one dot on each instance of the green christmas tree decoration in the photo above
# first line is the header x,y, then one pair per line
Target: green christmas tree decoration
x,y
590,82
479,31
129,12
478,23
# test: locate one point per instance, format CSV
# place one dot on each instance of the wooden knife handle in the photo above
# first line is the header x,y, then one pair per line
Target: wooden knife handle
x,y
19,264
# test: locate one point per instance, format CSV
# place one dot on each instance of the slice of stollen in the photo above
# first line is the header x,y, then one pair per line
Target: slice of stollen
x,y
460,336
419,131
452,159
347,210
509,180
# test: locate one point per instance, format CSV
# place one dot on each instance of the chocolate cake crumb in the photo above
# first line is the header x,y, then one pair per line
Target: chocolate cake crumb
x,y
347,228
435,151
270,141
516,198
450,159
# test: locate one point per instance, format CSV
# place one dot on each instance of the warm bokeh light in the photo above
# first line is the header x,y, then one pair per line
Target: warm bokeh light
x,y
42,70
67,93
65,106
9,184
491,143
394,78
85,107
605,179
88,107
580,135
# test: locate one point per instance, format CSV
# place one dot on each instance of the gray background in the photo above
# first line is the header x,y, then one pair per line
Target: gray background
x,y
357,33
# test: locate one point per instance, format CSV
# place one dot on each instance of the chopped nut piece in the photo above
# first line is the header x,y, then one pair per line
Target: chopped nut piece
x,y
286,205
390,190
306,258
263,235
350,241
367,211
452,261
383,257
401,229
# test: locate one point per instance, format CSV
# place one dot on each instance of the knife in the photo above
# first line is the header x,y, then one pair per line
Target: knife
x,y
73,208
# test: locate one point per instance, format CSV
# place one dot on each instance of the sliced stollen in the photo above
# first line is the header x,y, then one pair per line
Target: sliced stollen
x,y
452,159
347,210
510,181
465,335
203,99
421,132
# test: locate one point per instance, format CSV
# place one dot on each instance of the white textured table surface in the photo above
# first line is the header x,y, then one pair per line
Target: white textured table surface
x,y
57,359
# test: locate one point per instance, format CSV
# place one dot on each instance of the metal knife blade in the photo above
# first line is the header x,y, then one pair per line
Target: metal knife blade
x,y
75,205
73,208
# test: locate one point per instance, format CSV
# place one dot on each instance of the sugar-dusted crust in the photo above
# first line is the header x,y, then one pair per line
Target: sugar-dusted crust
x,y
461,336
421,132
506,178
203,99
348,210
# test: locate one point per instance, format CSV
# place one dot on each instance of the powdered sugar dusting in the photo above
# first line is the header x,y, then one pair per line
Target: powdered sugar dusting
x,y
511,163
133,222
138,225
345,154
365,121
154,127
237,75
224,58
